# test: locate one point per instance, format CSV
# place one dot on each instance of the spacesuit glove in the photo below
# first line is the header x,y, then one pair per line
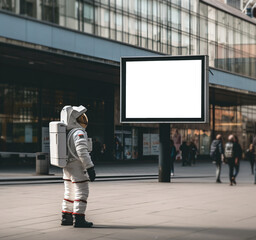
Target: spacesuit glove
x,y
91,173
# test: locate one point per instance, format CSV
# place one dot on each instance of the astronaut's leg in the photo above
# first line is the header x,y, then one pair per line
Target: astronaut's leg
x,y
81,195
67,204
80,203
81,192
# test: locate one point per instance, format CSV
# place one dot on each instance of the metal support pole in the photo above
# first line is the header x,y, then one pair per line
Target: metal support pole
x,y
164,152
213,114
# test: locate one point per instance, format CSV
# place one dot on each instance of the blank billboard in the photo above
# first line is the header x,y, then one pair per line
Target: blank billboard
x,y
164,89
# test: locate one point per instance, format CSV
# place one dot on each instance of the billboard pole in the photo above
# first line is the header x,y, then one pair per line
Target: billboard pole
x,y
164,152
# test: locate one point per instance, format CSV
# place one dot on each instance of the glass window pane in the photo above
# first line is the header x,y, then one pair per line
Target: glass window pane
x,y
150,9
104,17
175,18
203,10
222,34
230,37
185,44
203,28
211,33
119,3
175,42
185,21
203,47
144,29
163,13
68,14
211,13
177,2
155,10
119,22
8,5
125,24
144,8
155,33
150,33
212,51
221,17
185,4
193,5
163,35
88,12
194,25
221,60
194,45
132,26
28,8
112,20
133,6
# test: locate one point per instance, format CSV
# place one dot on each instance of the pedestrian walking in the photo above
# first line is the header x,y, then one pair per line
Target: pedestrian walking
x,y
192,151
254,145
231,156
173,156
184,153
217,155
117,148
239,152
250,157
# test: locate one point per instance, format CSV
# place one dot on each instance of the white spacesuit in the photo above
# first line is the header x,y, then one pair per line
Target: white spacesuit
x,y
79,160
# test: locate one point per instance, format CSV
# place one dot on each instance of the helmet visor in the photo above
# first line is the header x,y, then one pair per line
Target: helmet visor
x,y
83,119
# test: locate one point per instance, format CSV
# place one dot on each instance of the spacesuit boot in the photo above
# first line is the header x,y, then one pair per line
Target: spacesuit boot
x,y
67,219
80,222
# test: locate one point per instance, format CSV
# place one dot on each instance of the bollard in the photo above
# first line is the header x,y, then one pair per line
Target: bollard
x,y
42,163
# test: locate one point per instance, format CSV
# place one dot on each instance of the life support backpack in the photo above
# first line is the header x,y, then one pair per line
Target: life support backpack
x,y
229,150
59,143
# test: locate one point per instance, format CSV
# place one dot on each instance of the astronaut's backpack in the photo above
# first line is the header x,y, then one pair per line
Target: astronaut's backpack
x,y
229,150
59,146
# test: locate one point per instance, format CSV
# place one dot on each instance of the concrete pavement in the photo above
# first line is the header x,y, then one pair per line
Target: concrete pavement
x,y
126,170
187,208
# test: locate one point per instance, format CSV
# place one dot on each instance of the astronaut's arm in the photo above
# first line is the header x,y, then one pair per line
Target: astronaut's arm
x,y
81,146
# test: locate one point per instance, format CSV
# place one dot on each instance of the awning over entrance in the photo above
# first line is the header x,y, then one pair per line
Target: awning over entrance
x,y
83,67
224,96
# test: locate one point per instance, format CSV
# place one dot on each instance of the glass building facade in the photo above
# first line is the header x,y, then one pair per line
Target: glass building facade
x,y
177,27
170,27
27,107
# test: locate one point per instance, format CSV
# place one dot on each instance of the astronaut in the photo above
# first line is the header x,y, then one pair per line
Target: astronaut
x,y
79,161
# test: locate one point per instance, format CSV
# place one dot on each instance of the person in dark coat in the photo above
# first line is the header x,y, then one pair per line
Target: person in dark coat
x,y
184,153
173,156
232,156
192,150
239,152
251,157
217,156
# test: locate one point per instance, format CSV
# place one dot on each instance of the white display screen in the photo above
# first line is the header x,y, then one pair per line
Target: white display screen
x,y
159,89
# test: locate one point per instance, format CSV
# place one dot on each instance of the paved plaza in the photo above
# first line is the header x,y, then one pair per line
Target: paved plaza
x,y
187,208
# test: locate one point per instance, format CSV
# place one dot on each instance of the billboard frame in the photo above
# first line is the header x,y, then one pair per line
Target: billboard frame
x,y
204,89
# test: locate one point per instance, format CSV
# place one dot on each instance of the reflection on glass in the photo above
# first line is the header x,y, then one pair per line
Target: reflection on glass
x,y
146,23
88,13
50,11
